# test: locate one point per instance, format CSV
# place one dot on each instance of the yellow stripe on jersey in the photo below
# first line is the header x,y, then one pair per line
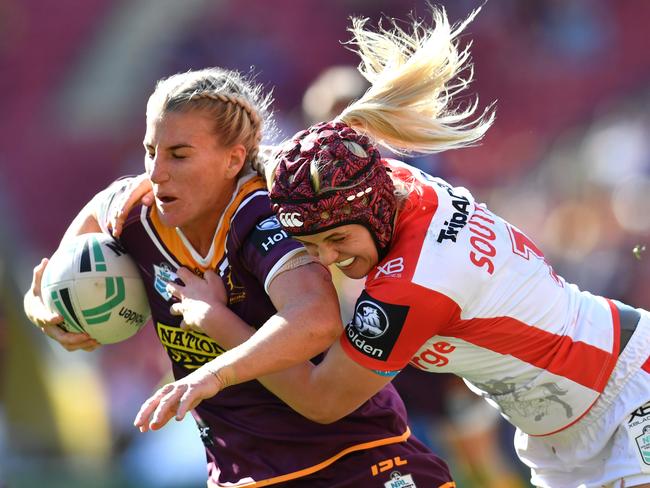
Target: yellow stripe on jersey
x,y
174,243
317,467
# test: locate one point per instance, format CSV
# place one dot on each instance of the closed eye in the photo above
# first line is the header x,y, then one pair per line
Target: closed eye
x,y
336,239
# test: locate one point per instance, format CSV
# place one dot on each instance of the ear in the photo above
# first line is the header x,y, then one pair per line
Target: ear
x,y
236,159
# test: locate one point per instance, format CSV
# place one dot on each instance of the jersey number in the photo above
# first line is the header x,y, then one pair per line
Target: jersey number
x,y
523,246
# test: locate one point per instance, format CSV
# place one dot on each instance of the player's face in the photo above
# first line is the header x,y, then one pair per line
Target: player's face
x,y
192,175
349,247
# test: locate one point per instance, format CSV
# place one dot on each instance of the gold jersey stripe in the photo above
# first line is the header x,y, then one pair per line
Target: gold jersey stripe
x,y
173,242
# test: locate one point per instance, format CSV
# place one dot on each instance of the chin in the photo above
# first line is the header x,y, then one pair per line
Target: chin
x,y
168,219
355,272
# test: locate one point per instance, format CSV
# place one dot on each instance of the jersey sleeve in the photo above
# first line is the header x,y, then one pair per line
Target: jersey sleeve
x,y
267,248
392,320
107,201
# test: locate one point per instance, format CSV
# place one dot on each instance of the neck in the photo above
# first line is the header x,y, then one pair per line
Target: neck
x,y
200,232
200,238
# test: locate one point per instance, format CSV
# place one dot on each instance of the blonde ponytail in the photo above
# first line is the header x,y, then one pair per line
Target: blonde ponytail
x,y
414,79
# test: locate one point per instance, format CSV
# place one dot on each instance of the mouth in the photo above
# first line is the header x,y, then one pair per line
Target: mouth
x,y
345,263
165,199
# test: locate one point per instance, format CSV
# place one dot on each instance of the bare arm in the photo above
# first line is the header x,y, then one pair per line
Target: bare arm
x,y
299,331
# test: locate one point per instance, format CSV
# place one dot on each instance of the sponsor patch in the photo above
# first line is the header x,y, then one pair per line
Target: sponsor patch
x,y
376,326
187,348
458,219
268,224
393,268
399,480
638,430
163,274
290,219
267,234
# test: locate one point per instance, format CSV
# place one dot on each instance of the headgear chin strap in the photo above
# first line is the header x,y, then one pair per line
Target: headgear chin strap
x,y
353,184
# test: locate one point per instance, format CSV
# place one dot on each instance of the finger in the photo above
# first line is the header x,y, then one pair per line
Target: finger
x,y
139,187
216,285
175,290
149,406
189,400
115,227
186,275
60,334
191,327
148,199
47,318
89,345
37,276
176,308
118,219
167,407
210,276
70,341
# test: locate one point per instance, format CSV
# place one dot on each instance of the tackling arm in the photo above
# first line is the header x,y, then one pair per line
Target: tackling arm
x,y
307,322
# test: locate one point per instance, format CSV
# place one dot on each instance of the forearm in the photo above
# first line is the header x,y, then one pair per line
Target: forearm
x,y
299,385
251,354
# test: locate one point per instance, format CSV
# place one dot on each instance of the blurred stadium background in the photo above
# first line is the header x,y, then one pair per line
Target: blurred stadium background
x,y
568,160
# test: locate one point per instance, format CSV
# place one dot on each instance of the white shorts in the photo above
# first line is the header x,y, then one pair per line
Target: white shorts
x,y
596,452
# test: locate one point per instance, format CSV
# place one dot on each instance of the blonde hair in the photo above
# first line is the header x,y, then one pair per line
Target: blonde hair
x,y
240,109
414,79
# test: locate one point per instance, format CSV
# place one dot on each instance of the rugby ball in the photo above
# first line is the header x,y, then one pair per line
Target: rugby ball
x,y
95,286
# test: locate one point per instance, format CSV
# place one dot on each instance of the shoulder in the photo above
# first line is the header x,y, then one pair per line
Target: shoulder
x,y
106,202
250,207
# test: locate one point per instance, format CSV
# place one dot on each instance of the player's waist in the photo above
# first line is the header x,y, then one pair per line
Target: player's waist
x,y
253,481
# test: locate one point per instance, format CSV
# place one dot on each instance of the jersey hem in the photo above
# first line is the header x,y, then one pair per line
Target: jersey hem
x,y
315,468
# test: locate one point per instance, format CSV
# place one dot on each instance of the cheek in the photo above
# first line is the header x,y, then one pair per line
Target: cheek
x,y
312,251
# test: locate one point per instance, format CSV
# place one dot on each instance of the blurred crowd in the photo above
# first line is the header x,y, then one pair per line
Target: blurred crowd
x,y
568,161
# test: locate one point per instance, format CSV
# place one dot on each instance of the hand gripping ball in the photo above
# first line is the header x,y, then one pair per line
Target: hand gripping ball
x,y
96,287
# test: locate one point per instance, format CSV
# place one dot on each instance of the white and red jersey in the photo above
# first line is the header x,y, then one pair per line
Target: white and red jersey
x,y
463,291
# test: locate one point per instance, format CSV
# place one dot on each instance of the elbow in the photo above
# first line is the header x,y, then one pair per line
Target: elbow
x,y
324,407
325,416
332,331
324,329
330,323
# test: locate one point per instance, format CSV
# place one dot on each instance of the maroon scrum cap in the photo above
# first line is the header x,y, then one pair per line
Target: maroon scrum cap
x,y
331,175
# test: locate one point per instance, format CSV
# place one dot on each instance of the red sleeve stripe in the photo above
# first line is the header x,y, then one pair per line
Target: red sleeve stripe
x,y
557,354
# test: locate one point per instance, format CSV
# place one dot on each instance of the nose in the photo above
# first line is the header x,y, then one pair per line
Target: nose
x,y
327,254
157,169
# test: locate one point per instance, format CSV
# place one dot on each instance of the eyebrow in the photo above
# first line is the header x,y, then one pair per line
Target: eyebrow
x,y
171,148
179,146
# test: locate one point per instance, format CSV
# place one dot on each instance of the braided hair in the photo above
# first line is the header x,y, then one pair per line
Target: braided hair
x,y
238,105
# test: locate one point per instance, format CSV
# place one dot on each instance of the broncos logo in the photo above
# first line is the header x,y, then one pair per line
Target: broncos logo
x,y
236,293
